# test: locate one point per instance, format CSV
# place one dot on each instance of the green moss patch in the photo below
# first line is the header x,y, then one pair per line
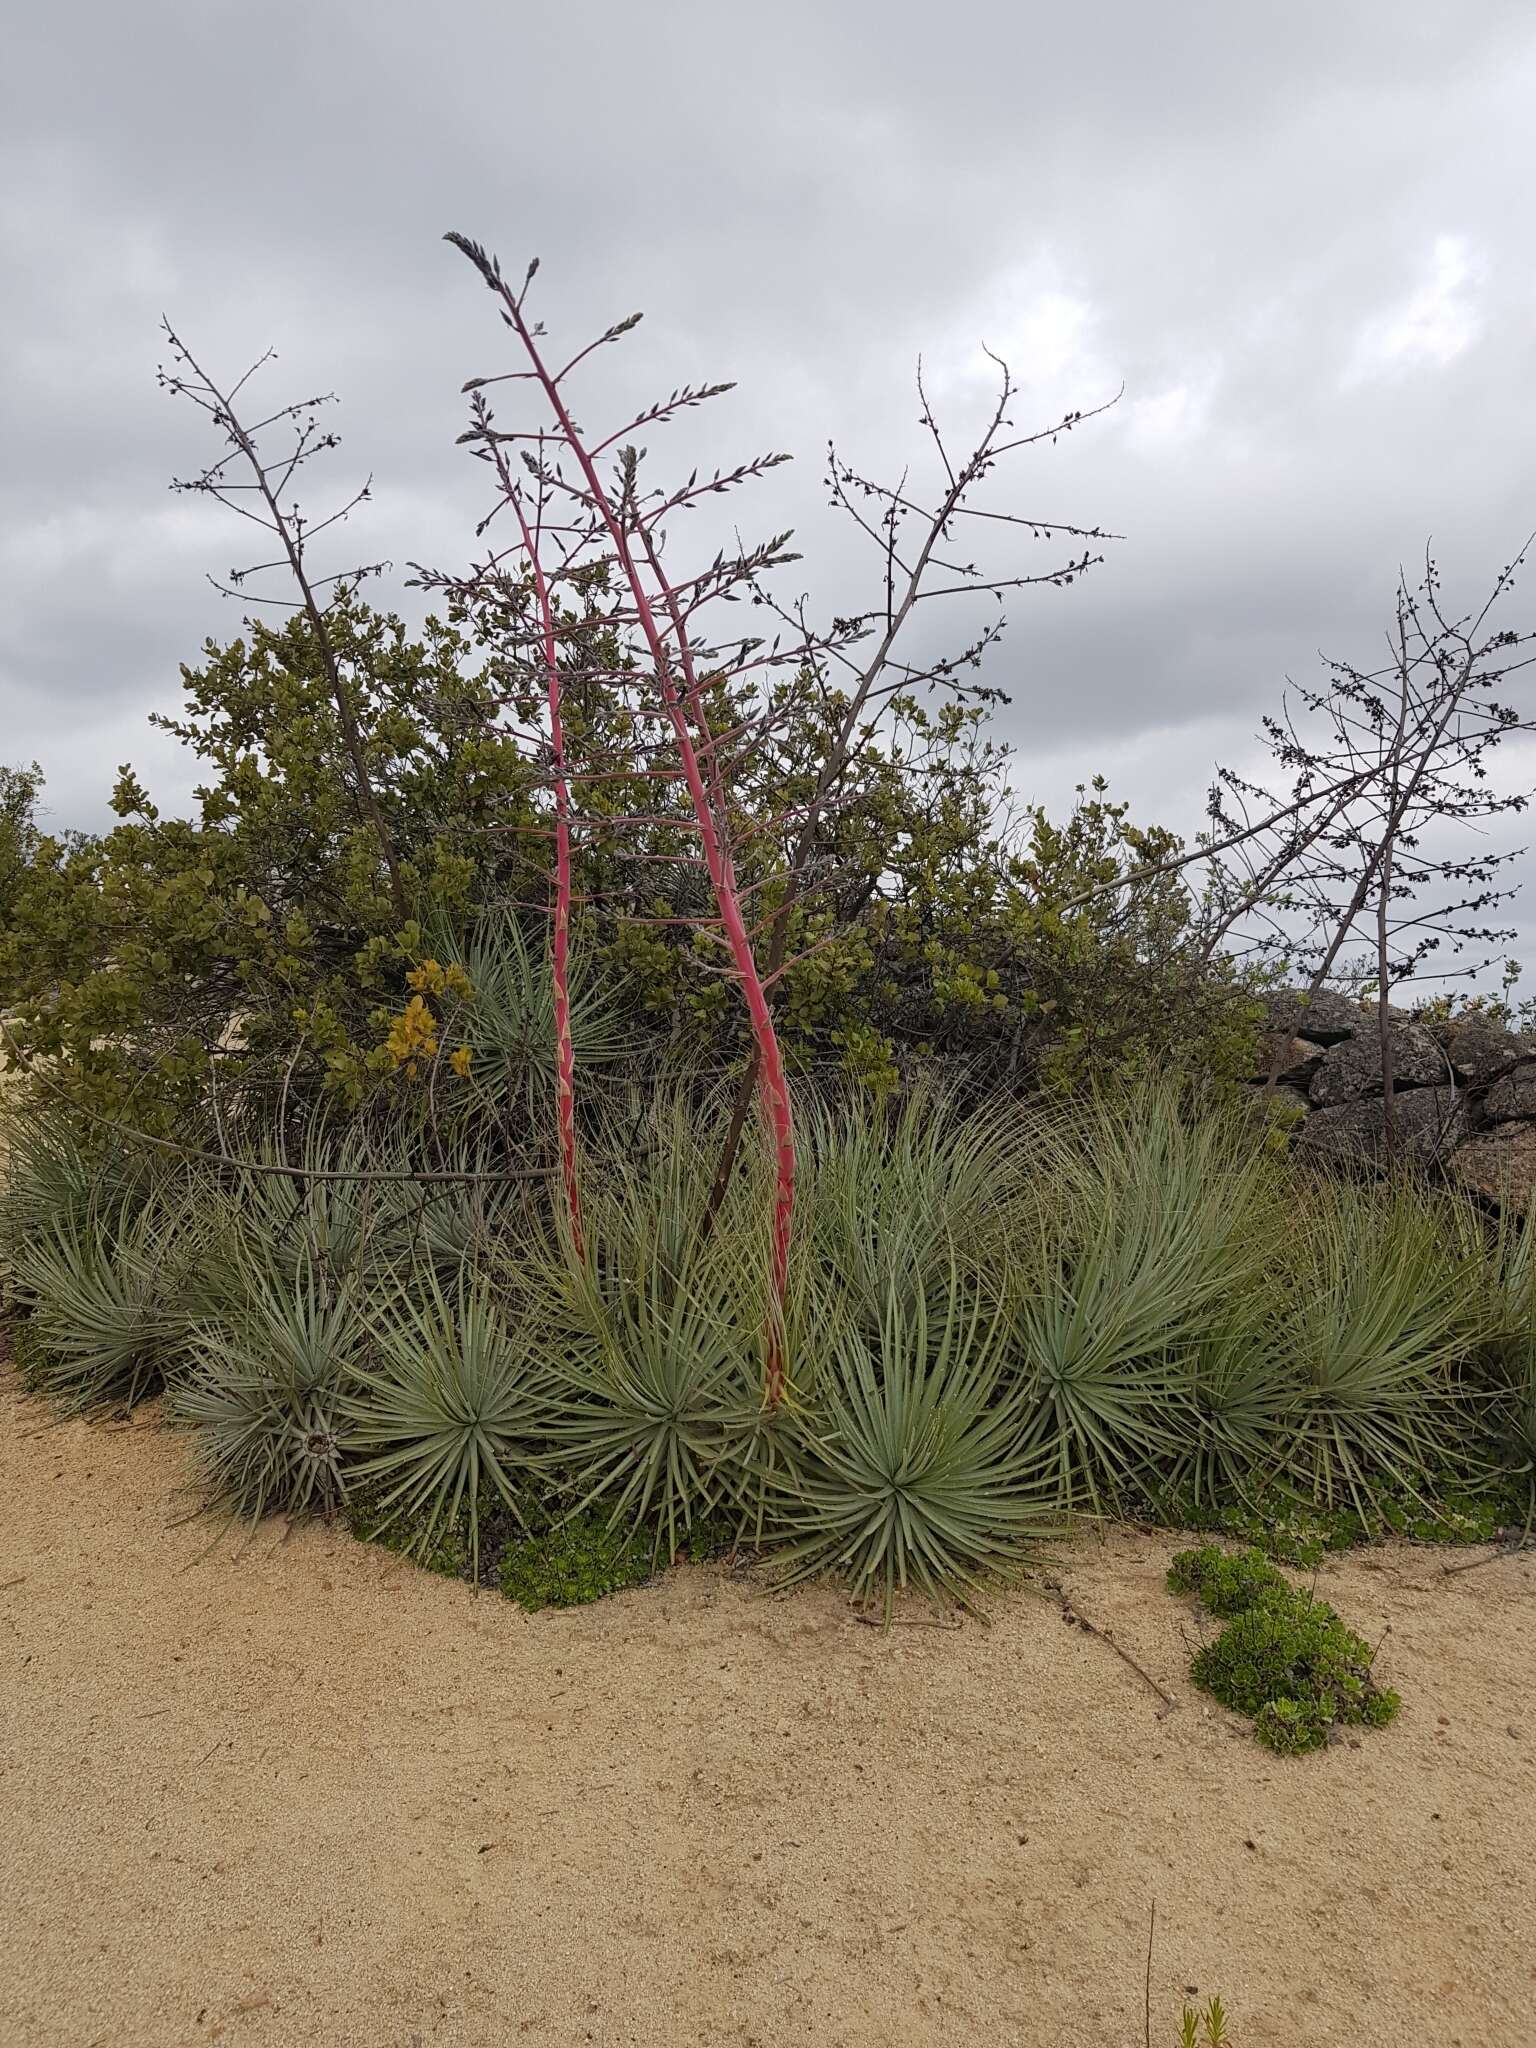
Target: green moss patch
x,y
1284,1657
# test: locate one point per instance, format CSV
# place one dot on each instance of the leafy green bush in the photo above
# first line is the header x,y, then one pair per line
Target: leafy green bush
x,y
1227,1582
1284,1657
1005,962
1293,1530
123,958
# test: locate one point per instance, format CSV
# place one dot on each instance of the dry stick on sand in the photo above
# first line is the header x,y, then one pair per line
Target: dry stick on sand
x,y
1523,1546
1075,1618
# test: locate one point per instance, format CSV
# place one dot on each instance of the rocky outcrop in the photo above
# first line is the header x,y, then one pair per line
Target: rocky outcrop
x,y
1500,1165
1511,1097
1292,1100
1480,1051
1463,1092
1353,1067
1295,1060
1325,1018
1428,1126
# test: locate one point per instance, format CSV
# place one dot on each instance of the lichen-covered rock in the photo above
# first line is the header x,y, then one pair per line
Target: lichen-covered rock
x,y
1352,1069
1499,1165
1298,1059
1510,1097
1480,1050
1428,1124
1325,1017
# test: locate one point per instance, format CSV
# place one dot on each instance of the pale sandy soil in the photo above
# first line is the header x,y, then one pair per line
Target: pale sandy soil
x,y
301,1793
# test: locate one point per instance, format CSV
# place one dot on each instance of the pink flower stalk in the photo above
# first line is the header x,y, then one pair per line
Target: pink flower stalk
x,y
565,1050
681,706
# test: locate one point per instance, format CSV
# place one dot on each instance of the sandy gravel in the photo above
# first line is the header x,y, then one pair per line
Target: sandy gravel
x,y
301,1793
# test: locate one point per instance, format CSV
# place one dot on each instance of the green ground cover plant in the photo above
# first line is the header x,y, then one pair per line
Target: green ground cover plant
x,y
581,1559
1284,1657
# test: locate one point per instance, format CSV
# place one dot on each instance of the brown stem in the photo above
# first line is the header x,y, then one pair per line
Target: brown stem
x,y
351,734
838,757
1384,1008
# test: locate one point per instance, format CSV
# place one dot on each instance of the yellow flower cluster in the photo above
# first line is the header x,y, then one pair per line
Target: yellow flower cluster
x,y
431,978
413,1035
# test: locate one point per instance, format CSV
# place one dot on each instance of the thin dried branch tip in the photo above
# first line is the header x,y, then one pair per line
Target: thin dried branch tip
x,y
267,482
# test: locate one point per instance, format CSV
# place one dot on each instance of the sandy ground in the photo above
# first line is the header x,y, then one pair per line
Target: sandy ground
x,y
301,1793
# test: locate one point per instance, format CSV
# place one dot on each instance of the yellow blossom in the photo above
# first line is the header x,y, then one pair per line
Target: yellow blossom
x,y
413,1035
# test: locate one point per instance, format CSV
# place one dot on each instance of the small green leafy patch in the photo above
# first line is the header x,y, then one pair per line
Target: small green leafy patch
x,y
446,1551
1284,1657
1207,2029
1295,1531
1228,1582
575,1562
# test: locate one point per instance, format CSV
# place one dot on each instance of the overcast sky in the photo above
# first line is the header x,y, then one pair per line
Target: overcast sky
x,y
1299,235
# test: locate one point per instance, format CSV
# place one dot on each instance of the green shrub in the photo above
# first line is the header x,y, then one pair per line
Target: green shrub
x,y
1207,2029
345,1230
1509,1358
1291,1530
579,1560
992,1319
58,1182
1384,1307
1284,1658
1228,1582
508,1019
1144,1224
887,1192
443,1549
652,1343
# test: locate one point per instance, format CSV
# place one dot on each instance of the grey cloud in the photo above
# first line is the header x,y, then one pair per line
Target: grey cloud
x,y
1243,205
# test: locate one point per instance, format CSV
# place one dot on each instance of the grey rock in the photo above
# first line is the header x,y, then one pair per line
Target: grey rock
x,y
1427,1124
1353,1069
1480,1050
1298,1059
1511,1096
1325,1017
1500,1165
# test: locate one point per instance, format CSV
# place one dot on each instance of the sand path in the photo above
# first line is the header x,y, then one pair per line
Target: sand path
x,y
300,1793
